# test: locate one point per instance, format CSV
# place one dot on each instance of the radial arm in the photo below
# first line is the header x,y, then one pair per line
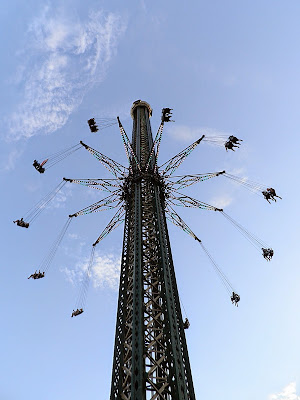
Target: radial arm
x,y
107,203
116,220
178,221
113,166
176,161
187,201
128,148
156,144
108,185
184,181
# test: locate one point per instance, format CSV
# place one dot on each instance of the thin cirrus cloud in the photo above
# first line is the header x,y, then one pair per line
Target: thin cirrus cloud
x,y
64,56
288,393
105,272
221,201
186,133
8,163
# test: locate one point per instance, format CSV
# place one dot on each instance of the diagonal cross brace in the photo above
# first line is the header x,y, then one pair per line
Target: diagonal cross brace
x,y
116,220
156,143
128,147
99,184
184,181
105,204
176,161
113,166
187,201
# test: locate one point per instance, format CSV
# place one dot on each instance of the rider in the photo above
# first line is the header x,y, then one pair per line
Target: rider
x,y
91,121
273,194
166,115
268,253
234,139
33,275
235,298
77,312
186,324
22,223
94,128
229,145
267,196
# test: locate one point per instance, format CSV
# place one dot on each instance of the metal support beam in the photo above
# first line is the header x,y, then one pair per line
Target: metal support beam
x,y
151,359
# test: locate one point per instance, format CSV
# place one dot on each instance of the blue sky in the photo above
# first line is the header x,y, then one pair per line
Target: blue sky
x,y
224,67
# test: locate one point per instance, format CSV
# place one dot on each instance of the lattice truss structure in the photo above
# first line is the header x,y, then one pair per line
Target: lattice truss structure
x,y
150,356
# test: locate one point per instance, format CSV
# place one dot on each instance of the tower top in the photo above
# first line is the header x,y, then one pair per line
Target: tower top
x,y
138,103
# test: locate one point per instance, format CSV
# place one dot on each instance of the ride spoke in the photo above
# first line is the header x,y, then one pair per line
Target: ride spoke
x,y
187,201
184,181
172,164
112,166
99,184
107,203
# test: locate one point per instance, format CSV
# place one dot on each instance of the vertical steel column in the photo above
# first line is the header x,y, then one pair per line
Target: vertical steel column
x,y
150,359
137,371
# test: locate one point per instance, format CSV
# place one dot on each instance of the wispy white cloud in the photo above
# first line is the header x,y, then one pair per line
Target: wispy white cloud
x,y
187,133
8,163
73,236
105,271
221,201
64,57
61,198
288,393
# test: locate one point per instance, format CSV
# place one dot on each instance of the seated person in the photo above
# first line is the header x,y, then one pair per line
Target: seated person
x,y
39,167
91,121
234,139
268,253
272,193
22,223
77,312
235,298
186,324
267,196
230,146
94,128
166,115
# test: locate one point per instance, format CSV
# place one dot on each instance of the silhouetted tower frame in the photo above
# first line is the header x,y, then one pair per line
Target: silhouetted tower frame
x,y
150,357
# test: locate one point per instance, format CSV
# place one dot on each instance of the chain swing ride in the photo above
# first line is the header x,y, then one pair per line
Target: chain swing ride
x,y
118,188
150,357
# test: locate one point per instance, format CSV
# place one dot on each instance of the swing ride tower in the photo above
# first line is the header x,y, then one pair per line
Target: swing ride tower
x,y
150,357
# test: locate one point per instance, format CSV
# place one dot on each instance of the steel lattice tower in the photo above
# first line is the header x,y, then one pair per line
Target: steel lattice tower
x,y
150,357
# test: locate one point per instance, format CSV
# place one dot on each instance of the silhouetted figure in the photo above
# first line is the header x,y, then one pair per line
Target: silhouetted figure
x,y
37,275
235,298
273,194
22,223
186,324
234,139
39,166
166,115
77,312
267,196
230,146
268,254
92,125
